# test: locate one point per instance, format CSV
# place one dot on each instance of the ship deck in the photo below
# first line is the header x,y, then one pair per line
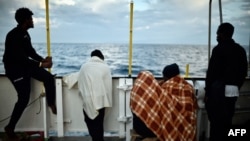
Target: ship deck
x,y
67,138
72,138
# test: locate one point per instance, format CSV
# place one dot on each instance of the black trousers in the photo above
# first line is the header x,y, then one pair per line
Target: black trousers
x,y
220,117
22,85
95,126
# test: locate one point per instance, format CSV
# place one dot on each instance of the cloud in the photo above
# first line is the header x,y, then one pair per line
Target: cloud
x,y
64,2
103,8
193,6
155,21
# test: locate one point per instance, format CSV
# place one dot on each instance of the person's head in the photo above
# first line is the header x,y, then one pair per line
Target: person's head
x,y
97,53
225,31
170,71
23,17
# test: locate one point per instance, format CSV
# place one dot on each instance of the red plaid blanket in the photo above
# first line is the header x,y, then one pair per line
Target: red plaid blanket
x,y
168,110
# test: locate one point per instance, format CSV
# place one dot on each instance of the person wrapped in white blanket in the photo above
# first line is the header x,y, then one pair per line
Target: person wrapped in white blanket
x,y
95,88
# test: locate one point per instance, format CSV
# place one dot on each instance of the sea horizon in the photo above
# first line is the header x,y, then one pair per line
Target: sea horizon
x,y
68,57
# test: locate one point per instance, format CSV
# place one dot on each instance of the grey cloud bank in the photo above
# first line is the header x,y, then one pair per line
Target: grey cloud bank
x,y
155,21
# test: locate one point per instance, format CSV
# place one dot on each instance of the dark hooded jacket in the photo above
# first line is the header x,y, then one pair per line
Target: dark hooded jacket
x,y
228,64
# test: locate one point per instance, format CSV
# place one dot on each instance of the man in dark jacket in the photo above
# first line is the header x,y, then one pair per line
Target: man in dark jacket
x,y
22,63
225,75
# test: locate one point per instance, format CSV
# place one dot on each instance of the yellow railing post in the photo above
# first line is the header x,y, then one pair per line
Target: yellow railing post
x,y
187,71
47,28
130,38
45,115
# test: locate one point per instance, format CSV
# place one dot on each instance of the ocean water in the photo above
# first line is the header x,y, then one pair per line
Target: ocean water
x,y
68,57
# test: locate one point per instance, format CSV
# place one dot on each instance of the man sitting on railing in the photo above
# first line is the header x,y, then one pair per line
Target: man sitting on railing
x,y
21,63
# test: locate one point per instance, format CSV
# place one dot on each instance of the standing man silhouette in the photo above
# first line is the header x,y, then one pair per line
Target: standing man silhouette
x,y
225,75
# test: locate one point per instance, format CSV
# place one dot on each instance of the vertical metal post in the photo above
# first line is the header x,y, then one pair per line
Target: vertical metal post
x,y
220,8
59,103
122,107
187,71
45,116
125,114
209,29
128,126
47,27
45,119
130,38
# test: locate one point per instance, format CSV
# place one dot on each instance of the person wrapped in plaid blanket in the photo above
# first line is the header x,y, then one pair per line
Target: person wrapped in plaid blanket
x,y
165,109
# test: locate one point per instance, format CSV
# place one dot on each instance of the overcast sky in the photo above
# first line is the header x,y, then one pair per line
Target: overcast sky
x,y
107,21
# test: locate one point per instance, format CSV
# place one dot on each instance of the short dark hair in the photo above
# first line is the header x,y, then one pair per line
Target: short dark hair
x,y
170,71
97,53
226,29
23,14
